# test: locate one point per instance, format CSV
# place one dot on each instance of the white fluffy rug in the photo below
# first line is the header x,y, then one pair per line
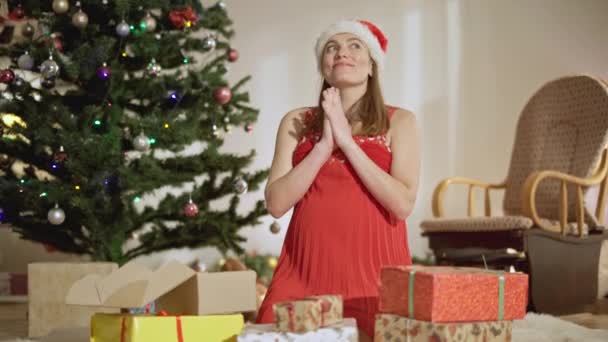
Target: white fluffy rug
x,y
534,328
546,328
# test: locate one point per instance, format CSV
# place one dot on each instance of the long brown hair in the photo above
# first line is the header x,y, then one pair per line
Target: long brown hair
x,y
370,108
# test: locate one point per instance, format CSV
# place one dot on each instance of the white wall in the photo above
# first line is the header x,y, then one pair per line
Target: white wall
x,y
466,68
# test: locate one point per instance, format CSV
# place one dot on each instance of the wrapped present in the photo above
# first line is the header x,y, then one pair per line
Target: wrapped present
x,y
144,328
345,330
393,328
331,308
13,284
453,294
5,284
298,315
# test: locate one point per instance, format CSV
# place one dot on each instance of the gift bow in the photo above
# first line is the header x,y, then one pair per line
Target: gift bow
x,y
180,17
178,319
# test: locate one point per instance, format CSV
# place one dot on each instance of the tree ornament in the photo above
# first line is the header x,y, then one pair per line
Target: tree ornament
x,y
123,29
56,216
149,22
190,209
49,68
17,13
209,43
80,19
233,55
7,76
28,30
141,142
222,95
61,6
103,72
275,227
153,68
240,186
249,128
25,61
60,156
48,83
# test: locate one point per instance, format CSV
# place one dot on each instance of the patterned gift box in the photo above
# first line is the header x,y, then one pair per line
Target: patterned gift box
x,y
146,328
13,284
393,328
298,315
344,331
331,308
453,294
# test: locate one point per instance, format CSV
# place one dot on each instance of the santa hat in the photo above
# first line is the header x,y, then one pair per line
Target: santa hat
x,y
369,33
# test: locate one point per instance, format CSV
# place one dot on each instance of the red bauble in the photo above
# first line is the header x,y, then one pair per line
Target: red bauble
x,y
233,55
58,44
50,248
190,209
17,13
249,128
222,95
7,76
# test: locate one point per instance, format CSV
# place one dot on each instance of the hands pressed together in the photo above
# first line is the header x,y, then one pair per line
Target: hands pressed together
x,y
336,129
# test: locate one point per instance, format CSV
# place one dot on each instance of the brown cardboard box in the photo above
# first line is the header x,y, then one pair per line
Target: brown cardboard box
x,y
176,288
48,284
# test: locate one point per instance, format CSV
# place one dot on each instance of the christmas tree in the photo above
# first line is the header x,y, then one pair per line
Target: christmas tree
x,y
101,99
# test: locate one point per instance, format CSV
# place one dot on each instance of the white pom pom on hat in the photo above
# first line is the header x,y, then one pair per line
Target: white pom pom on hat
x,y
369,33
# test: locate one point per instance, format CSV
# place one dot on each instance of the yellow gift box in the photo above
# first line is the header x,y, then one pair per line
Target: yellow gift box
x,y
148,328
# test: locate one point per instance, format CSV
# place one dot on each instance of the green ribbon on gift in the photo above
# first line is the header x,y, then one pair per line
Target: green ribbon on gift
x,y
501,292
410,294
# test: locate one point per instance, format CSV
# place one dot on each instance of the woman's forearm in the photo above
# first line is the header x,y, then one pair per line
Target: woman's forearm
x,y
283,193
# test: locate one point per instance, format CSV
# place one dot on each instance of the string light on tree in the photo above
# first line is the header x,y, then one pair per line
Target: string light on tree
x,y
153,68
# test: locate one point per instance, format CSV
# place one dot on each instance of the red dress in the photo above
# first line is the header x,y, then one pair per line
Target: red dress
x,y
339,237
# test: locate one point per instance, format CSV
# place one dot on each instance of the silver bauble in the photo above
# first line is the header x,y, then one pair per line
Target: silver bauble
x,y
61,6
141,143
56,216
25,61
49,68
240,186
123,29
209,43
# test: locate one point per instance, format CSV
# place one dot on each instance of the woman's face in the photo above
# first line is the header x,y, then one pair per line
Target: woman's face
x,y
346,61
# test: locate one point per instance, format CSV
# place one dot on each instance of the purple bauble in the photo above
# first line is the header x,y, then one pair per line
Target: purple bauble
x,y
104,72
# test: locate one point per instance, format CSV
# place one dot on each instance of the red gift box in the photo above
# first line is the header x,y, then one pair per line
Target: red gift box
x,y
453,294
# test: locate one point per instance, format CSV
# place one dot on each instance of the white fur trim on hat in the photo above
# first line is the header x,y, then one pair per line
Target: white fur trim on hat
x,y
358,29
